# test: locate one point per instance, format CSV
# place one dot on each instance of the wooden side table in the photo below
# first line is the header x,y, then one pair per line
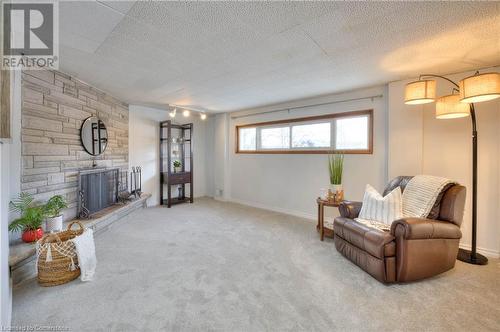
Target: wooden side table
x,y
321,214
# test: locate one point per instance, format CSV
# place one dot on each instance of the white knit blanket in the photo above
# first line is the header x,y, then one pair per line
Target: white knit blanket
x,y
85,250
421,193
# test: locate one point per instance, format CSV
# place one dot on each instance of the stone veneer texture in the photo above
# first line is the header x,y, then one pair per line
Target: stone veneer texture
x,y
54,106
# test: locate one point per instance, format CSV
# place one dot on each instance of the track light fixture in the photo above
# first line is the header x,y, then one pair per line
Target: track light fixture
x,y
173,113
186,112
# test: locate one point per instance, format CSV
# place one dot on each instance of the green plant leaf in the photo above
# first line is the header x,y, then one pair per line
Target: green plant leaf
x,y
335,167
32,215
55,205
17,225
21,203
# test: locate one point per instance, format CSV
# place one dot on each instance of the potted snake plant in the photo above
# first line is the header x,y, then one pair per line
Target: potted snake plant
x,y
30,220
53,208
335,168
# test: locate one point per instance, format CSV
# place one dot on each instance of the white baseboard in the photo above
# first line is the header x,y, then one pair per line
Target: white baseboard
x,y
300,214
484,251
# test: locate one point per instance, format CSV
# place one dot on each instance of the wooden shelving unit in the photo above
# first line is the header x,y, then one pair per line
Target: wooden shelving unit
x,y
175,145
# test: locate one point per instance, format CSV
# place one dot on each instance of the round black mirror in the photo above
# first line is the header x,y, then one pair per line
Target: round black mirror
x,y
94,136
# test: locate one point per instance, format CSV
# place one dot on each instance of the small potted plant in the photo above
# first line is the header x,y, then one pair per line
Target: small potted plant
x,y
30,221
177,166
335,167
53,209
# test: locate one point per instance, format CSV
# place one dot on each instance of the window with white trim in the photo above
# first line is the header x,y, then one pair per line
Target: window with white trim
x,y
349,132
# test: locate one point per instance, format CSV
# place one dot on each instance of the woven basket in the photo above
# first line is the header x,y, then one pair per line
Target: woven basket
x,y
57,260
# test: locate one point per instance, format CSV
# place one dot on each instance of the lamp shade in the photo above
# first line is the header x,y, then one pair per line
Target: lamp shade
x,y
450,107
481,87
420,92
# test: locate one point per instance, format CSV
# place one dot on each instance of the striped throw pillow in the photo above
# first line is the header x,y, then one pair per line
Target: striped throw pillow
x,y
381,209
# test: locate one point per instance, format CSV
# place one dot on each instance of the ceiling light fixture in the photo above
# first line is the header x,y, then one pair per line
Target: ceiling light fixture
x,y
186,111
173,113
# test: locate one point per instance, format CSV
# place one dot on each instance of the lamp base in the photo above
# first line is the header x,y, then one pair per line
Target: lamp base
x,y
466,256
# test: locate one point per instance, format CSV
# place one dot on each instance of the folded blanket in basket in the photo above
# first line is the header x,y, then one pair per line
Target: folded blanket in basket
x,y
85,249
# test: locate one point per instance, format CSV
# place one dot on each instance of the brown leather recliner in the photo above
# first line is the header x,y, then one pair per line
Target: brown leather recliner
x,y
414,249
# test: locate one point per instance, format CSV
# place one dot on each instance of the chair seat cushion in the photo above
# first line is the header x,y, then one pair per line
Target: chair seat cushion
x,y
376,242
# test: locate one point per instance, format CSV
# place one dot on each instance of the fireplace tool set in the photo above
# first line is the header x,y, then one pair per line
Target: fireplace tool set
x,y
136,181
135,184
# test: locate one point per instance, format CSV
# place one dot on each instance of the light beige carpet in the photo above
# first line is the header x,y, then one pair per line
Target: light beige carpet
x,y
226,267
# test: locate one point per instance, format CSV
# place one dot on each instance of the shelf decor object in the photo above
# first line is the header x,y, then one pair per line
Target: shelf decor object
x,y
176,163
474,89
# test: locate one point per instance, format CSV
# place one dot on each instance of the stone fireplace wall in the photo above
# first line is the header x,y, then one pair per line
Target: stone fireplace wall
x,y
54,106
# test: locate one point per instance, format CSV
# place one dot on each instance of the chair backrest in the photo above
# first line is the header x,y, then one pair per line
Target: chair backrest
x,y
453,204
449,205
399,181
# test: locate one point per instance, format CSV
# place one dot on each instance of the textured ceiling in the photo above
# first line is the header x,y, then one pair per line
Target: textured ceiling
x,y
225,56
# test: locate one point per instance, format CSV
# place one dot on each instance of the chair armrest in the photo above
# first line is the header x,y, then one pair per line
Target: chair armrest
x,y
349,209
420,228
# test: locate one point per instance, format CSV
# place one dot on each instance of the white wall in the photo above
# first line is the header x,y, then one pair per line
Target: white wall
x,y
144,149
201,155
419,143
221,156
291,182
15,146
405,142
209,165
6,294
10,185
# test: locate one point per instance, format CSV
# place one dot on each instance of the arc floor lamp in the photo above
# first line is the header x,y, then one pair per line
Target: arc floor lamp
x,y
460,103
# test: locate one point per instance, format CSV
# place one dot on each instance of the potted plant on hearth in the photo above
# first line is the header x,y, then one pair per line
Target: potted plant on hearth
x,y
177,166
30,220
335,167
53,209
